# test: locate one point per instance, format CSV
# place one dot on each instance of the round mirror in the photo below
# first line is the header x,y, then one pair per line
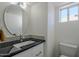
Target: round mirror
x,y
13,19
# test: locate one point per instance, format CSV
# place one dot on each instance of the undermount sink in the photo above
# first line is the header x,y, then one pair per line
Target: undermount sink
x,y
15,47
23,43
5,50
8,50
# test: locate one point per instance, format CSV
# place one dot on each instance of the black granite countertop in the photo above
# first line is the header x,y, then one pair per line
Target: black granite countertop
x,y
23,48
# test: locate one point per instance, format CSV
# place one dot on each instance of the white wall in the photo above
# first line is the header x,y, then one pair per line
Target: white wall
x,y
67,32
26,21
51,30
38,21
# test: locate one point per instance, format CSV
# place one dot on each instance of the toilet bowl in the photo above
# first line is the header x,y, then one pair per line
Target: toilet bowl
x,y
68,50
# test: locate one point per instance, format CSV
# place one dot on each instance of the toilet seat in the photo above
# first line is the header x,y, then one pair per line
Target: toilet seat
x,y
63,56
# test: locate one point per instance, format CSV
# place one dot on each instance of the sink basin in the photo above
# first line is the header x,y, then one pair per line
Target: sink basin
x,y
5,50
8,50
15,47
23,43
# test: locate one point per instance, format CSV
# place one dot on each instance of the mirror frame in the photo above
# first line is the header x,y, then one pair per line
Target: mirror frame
x,y
14,34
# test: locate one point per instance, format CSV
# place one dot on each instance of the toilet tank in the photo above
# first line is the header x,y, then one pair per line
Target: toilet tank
x,y
68,49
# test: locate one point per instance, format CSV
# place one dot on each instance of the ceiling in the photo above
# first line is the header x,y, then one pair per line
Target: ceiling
x,y
59,3
54,3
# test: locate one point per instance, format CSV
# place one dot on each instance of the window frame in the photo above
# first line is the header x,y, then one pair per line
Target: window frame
x,y
60,14
67,7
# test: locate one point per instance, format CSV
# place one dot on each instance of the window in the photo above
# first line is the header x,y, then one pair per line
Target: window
x,y
73,13
63,15
69,13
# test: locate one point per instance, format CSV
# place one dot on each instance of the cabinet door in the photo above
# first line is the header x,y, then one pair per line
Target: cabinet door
x,y
36,51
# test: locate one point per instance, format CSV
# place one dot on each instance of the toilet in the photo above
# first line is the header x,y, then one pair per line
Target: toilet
x,y
67,50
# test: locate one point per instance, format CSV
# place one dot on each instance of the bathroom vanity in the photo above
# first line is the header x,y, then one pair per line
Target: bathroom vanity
x,y
28,47
17,46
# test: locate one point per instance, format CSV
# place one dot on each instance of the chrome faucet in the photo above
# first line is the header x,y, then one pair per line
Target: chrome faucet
x,y
21,38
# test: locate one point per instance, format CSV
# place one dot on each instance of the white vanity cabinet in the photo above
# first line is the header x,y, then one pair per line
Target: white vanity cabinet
x,y
36,51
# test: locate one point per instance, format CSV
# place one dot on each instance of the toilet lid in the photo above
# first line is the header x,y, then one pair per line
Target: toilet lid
x,y
63,56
